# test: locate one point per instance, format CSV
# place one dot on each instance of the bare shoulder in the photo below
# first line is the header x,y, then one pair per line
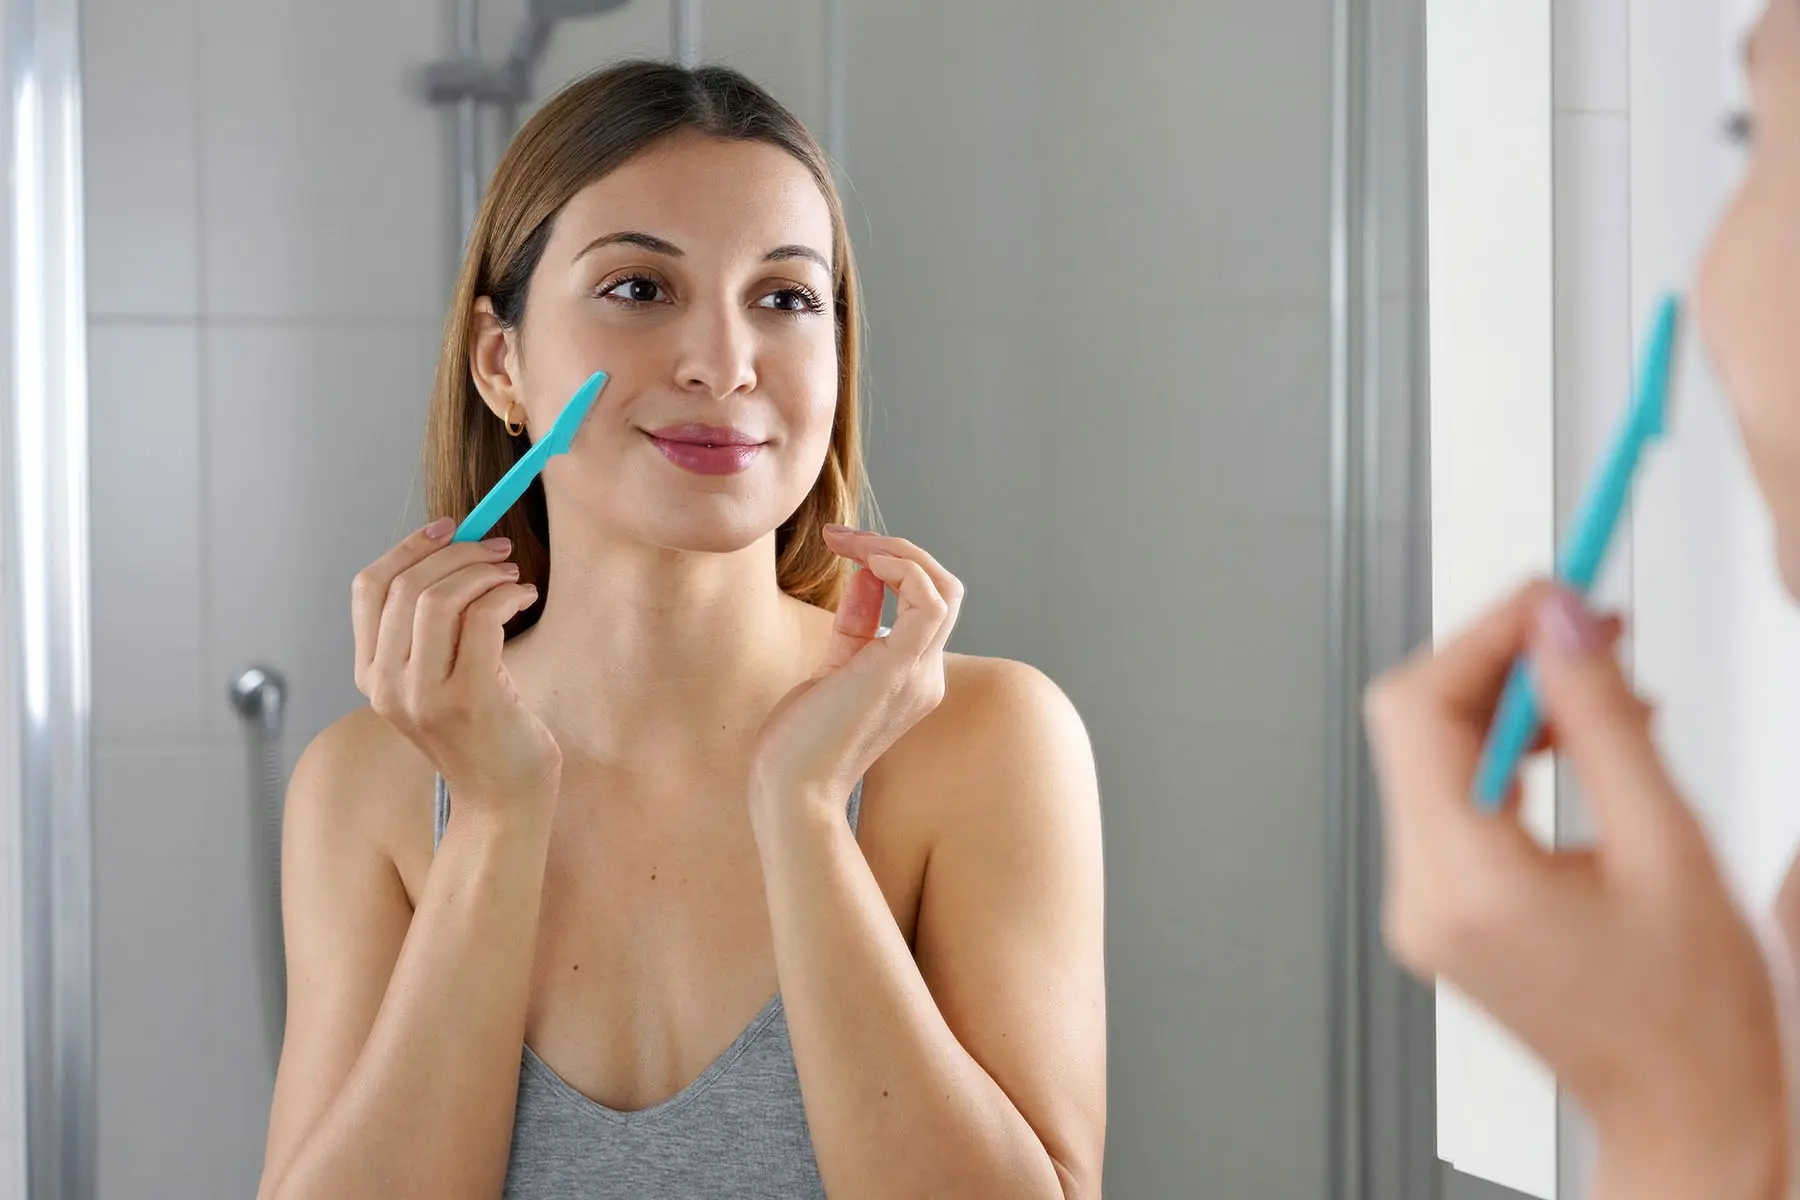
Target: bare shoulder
x,y
985,698
360,783
1005,744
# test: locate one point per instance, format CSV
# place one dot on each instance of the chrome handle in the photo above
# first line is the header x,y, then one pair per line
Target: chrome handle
x,y
260,695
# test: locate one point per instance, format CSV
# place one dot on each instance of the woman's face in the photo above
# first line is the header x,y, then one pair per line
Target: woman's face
x,y
1748,297
698,276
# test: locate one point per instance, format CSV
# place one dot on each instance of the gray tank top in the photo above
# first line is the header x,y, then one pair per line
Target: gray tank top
x,y
737,1131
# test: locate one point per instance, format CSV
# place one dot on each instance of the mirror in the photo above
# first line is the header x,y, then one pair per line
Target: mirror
x,y
1144,293
1577,166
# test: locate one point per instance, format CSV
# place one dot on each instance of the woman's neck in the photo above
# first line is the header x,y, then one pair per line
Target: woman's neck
x,y
644,654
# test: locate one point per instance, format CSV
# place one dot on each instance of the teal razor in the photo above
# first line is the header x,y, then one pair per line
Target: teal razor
x,y
1517,722
512,485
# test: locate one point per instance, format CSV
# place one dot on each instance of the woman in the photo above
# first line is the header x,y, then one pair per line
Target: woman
x,y
1627,967
675,768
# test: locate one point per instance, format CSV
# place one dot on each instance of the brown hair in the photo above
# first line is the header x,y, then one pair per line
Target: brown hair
x,y
586,131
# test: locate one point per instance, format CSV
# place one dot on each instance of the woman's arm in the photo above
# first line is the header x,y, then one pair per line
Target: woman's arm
x,y
401,1062
399,1071
980,1068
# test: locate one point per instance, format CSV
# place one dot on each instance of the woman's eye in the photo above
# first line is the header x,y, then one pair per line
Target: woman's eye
x,y
636,290
792,300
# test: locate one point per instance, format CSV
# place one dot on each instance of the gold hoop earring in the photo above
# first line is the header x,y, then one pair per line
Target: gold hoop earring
x,y
513,427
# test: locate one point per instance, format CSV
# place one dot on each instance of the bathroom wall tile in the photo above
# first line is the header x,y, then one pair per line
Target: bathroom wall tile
x,y
1217,625
185,1069
144,516
154,903
1234,202
778,43
1201,937
1595,341
326,190
1224,412
140,144
313,452
238,1061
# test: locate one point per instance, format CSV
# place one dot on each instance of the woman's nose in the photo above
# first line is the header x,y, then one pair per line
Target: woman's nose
x,y
717,352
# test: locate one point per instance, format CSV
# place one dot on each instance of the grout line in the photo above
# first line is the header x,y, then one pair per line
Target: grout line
x,y
117,748
104,320
1623,114
261,321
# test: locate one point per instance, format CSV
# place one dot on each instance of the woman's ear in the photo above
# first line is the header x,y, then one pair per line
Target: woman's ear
x,y
493,362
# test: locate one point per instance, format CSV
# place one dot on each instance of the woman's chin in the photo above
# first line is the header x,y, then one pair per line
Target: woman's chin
x,y
708,536
713,524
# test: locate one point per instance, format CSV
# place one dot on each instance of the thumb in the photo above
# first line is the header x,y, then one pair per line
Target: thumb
x,y
1601,725
858,619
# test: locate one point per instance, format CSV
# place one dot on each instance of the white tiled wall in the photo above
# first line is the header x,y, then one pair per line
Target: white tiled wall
x,y
322,182
145,496
1595,332
310,464
140,101
268,246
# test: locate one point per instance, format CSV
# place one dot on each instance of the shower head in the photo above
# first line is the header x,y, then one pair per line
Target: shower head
x,y
565,10
509,82
533,37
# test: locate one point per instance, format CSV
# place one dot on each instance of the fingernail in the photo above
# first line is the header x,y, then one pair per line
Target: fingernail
x,y
497,545
1568,627
510,568
440,529
839,529
531,591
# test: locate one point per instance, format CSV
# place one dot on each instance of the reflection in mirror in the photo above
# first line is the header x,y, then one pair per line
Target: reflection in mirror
x,y
741,852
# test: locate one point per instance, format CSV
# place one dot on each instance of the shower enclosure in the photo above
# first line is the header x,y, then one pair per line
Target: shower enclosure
x,y
270,239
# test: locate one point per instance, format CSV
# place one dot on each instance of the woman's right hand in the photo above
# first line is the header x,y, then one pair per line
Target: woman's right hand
x,y
430,618
1627,966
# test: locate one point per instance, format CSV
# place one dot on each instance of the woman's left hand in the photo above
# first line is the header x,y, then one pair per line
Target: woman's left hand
x,y
868,690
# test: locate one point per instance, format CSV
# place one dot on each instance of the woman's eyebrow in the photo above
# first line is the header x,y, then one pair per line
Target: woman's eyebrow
x,y
795,250
631,237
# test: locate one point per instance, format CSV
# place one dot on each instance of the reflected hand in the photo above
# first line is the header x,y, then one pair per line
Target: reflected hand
x,y
868,690
1626,966
430,619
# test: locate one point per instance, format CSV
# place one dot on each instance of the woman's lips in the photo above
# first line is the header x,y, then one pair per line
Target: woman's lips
x,y
707,449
